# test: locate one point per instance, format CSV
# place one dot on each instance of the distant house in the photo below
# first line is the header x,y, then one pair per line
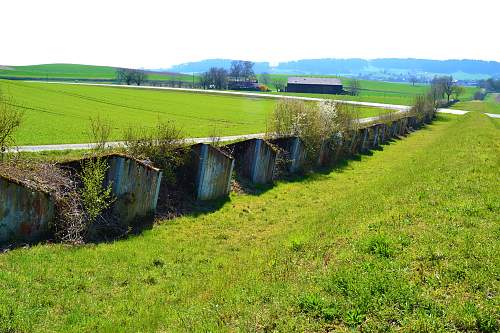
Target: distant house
x,y
316,85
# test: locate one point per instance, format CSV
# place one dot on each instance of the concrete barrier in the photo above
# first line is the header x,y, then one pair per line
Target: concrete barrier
x,y
403,126
383,133
25,213
329,150
135,185
394,129
374,136
352,143
365,140
213,170
294,151
255,159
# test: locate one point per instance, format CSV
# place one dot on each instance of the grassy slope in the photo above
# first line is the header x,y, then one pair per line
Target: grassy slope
x,y
57,113
405,239
76,71
490,105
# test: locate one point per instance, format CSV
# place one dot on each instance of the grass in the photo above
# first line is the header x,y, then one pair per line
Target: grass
x,y
77,72
59,113
404,240
490,105
378,91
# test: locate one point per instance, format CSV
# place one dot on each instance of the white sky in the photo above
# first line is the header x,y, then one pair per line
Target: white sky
x,y
154,34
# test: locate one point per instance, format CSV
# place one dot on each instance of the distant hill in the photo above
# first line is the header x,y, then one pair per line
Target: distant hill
x,y
377,68
76,72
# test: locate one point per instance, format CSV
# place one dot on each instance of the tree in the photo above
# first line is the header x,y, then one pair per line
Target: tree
x,y
125,75
139,76
215,77
130,76
247,72
10,120
413,79
354,87
458,91
445,84
241,70
236,70
265,78
279,84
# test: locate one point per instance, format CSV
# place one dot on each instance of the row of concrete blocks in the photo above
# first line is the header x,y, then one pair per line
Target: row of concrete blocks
x,y
26,213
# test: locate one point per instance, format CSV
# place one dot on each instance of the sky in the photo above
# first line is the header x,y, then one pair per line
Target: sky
x,y
158,34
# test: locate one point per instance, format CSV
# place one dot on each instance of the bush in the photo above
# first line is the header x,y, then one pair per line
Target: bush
x,y
313,123
162,145
100,132
264,88
95,197
479,95
424,107
10,120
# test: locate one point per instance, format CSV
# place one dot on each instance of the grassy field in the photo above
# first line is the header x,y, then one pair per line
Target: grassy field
x,y
58,113
490,105
379,92
77,72
404,240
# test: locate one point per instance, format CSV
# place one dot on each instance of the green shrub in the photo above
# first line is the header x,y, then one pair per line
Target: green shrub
x,y
313,123
163,145
95,197
10,120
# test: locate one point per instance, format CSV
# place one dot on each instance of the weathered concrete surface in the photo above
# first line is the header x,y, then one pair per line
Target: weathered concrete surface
x,y
331,150
383,133
403,126
255,160
374,136
135,185
364,134
213,171
394,128
293,151
351,143
25,213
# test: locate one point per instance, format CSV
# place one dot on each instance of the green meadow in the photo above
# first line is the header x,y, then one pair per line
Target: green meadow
x,y
405,239
490,105
60,113
377,91
76,72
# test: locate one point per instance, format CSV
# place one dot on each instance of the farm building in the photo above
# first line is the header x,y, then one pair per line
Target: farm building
x,y
316,85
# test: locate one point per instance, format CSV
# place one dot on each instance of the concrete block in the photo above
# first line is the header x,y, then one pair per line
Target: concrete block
x,y
255,159
213,171
25,213
294,151
135,185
